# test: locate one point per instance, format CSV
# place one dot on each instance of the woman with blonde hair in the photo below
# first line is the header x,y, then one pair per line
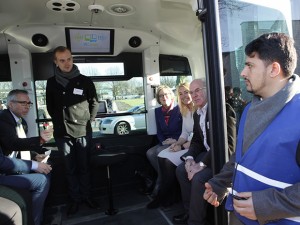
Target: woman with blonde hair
x,y
169,158
187,109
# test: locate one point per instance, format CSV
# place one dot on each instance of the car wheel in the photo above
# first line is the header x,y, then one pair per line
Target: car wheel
x,y
122,128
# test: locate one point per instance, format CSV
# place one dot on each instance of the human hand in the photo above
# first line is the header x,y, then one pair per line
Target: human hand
x,y
40,157
210,196
171,141
175,147
186,145
43,168
172,145
168,141
46,135
188,164
195,168
245,207
164,142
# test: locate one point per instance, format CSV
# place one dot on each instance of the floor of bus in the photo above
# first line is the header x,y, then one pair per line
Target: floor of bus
x,y
131,207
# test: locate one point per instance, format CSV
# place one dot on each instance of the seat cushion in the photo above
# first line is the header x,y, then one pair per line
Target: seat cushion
x,y
107,159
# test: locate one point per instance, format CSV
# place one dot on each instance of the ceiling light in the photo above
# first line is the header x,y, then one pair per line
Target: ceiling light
x,y
121,10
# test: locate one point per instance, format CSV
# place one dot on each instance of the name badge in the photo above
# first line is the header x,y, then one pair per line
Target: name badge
x,y
77,91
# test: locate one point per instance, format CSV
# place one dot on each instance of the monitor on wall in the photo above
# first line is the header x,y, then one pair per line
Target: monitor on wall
x,y
88,41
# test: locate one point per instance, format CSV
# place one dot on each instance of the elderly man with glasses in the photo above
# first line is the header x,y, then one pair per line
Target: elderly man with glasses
x,y
196,169
13,129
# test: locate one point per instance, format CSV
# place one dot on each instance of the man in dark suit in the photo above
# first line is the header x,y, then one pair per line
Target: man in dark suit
x,y
19,104
16,173
196,168
72,104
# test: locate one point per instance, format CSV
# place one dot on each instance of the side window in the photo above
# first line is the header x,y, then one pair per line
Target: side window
x,y
121,103
125,107
140,110
117,114
5,87
43,120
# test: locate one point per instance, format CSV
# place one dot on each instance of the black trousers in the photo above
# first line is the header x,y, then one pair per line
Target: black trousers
x,y
192,193
76,153
169,192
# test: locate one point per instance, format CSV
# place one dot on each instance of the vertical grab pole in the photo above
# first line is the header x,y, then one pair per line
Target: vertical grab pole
x,y
208,14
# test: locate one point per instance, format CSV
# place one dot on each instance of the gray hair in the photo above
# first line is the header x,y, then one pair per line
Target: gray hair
x,y
13,93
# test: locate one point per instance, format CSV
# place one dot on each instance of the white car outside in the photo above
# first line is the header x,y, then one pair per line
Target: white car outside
x,y
124,124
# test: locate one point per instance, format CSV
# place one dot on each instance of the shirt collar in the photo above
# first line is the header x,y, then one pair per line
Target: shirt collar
x,y
15,117
203,110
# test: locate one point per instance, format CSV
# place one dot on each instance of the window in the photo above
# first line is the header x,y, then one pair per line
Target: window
x,y
101,69
122,110
125,107
5,88
244,20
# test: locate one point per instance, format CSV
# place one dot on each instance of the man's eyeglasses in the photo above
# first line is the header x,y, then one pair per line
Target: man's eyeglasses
x,y
197,90
23,103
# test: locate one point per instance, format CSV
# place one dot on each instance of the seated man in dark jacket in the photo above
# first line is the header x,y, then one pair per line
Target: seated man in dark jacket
x,y
196,168
13,129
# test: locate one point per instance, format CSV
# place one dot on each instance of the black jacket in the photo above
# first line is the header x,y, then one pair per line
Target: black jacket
x,y
197,143
72,108
9,140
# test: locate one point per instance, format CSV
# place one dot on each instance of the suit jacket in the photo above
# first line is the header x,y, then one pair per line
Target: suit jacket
x,y
13,165
72,107
9,140
173,129
197,143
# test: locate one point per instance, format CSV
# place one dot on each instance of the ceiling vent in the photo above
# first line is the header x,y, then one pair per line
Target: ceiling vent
x,y
121,10
63,6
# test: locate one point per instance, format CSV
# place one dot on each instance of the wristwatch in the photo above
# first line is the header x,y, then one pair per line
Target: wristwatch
x,y
202,164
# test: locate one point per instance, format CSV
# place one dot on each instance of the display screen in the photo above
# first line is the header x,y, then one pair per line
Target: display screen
x,y
82,41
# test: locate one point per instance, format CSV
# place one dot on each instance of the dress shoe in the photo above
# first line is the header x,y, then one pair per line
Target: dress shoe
x,y
92,203
148,183
181,219
145,191
155,191
72,208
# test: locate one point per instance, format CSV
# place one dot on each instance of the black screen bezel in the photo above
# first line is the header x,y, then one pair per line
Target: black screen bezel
x,y
69,44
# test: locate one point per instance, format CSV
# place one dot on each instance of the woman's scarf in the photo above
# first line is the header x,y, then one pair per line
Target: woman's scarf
x,y
63,78
166,110
266,110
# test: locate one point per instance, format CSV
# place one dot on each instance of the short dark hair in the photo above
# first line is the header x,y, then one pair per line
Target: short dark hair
x,y
59,49
275,47
13,93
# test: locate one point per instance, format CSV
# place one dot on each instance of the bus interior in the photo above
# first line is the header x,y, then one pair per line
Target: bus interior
x,y
143,43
